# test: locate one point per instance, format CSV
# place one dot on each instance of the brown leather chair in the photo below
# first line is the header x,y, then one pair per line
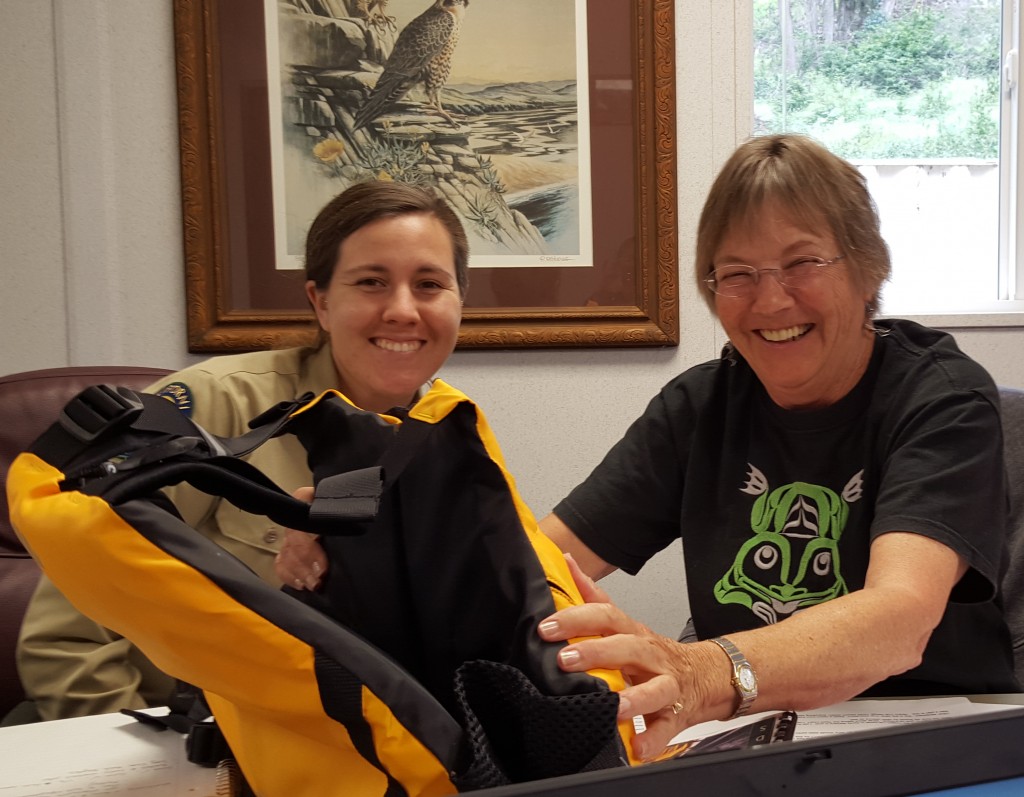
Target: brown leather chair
x,y
29,402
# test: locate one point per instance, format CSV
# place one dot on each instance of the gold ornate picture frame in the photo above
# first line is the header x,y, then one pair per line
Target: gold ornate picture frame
x,y
238,300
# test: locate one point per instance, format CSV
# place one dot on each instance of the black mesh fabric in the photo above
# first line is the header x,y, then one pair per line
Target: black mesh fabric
x,y
514,730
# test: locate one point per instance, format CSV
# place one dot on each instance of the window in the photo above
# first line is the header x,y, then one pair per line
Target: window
x,y
921,95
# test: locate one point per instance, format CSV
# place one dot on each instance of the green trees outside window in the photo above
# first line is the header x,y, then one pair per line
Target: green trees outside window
x,y
881,79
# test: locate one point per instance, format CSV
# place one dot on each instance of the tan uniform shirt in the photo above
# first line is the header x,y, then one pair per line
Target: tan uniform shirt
x,y
71,666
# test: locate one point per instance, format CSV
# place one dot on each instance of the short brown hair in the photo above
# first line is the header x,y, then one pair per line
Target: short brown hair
x,y
811,183
366,202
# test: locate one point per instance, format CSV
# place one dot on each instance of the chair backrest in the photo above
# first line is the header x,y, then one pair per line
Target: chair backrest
x,y
1012,401
29,402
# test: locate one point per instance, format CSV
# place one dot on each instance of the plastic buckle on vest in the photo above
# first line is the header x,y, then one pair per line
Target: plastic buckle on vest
x,y
97,410
205,745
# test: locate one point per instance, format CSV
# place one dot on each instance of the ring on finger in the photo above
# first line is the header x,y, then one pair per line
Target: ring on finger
x,y
677,708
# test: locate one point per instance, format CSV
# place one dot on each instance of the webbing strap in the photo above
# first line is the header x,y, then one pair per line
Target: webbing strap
x,y
235,480
268,424
188,713
352,496
341,692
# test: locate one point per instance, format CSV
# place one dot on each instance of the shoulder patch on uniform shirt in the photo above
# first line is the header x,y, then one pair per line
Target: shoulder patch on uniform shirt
x,y
180,395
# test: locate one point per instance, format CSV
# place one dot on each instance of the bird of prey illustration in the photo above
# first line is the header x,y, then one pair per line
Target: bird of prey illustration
x,y
422,55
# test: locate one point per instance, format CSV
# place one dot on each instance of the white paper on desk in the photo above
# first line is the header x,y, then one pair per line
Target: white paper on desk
x,y
863,715
108,754
855,715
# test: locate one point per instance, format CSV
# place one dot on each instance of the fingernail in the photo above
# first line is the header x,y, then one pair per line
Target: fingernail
x,y
316,568
625,708
569,657
548,628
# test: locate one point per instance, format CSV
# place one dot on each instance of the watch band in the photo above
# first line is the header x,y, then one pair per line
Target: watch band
x,y
744,680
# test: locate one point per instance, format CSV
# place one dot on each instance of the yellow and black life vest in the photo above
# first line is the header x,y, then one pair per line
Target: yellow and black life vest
x,y
418,671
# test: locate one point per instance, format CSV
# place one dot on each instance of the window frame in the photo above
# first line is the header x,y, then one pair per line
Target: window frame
x,y
1011,275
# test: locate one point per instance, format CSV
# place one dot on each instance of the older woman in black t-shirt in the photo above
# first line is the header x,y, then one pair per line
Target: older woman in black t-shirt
x,y
837,484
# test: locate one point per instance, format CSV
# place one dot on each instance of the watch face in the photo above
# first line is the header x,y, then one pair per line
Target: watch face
x,y
747,681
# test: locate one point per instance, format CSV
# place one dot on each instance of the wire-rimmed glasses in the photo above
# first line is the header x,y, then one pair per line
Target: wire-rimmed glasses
x,y
740,281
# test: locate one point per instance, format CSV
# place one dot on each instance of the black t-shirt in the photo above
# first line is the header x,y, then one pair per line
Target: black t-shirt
x,y
777,508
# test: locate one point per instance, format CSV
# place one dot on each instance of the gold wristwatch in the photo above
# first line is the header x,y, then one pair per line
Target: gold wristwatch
x,y
743,677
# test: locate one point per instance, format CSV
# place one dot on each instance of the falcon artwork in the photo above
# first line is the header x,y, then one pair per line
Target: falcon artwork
x,y
422,55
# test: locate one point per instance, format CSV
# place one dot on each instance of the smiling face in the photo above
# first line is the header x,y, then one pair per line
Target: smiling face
x,y
391,309
808,345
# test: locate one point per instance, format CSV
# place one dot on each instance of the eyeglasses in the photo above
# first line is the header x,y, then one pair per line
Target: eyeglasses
x,y
741,281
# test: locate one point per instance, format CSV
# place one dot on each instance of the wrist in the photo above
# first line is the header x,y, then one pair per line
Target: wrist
x,y
743,679
704,682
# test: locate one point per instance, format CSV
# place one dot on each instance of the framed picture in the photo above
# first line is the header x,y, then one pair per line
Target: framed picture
x,y
552,135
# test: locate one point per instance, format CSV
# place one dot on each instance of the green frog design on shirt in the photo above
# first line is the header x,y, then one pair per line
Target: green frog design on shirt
x,y
792,560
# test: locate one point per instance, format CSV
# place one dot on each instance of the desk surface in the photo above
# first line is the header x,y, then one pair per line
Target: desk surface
x,y
106,754
116,755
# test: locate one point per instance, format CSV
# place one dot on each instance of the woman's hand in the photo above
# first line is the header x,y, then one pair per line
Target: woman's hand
x,y
664,676
301,563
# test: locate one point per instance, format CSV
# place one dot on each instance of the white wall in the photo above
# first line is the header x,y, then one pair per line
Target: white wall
x,y
90,231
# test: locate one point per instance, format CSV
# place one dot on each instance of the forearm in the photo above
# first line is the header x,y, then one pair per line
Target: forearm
x,y
835,650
